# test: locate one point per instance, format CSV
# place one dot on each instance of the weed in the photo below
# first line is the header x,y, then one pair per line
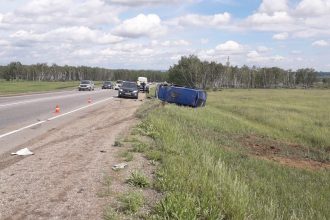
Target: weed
x,y
128,156
138,179
153,162
110,214
139,147
117,144
105,191
154,155
147,129
131,202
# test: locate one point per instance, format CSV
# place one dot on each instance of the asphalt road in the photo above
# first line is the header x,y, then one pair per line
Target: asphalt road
x,y
28,112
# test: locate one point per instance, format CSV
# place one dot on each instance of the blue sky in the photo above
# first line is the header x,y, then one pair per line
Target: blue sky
x,y
154,34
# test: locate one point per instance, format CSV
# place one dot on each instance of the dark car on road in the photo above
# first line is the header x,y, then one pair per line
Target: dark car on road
x,y
107,85
86,85
128,89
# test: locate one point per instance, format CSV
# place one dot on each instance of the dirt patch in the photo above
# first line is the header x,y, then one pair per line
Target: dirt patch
x,y
260,145
63,178
288,154
298,163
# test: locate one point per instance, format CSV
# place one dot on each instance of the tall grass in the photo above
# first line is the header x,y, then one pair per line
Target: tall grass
x,y
16,87
206,173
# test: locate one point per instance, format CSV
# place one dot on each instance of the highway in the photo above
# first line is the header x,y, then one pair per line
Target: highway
x,y
26,116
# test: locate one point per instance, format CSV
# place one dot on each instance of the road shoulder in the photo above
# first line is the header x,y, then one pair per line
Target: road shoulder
x,y
63,178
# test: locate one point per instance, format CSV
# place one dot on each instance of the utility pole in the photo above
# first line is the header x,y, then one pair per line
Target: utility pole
x,y
228,63
227,71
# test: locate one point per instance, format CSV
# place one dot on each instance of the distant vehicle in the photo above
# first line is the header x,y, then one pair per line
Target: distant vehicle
x,y
129,89
86,85
143,84
107,85
118,84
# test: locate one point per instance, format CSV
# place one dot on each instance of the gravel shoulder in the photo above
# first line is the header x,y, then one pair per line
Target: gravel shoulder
x,y
61,180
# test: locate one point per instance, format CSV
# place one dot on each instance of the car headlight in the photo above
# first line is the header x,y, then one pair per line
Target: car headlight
x,y
121,90
135,91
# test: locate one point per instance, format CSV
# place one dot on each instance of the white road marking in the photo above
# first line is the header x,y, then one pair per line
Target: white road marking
x,y
52,118
36,94
47,98
21,129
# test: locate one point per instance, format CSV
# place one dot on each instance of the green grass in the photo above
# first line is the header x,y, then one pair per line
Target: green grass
x,y
154,155
151,93
139,147
131,202
208,171
138,179
127,155
17,87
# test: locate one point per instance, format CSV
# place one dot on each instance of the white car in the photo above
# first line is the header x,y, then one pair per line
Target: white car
x,y
118,84
86,85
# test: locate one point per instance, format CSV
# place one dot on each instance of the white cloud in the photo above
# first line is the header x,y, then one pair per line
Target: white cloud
x,y
79,34
304,19
253,54
313,7
255,57
175,43
44,6
4,42
45,13
142,25
271,6
296,52
281,36
82,52
204,40
280,17
272,16
147,2
320,43
230,47
263,49
216,20
277,58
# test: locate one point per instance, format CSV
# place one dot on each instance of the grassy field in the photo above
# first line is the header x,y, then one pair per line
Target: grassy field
x,y
249,154
18,87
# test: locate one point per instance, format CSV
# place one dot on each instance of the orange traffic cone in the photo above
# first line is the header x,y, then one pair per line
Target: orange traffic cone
x,y
57,109
89,100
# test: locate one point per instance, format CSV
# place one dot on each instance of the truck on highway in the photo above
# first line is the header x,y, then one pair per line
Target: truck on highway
x,y
142,82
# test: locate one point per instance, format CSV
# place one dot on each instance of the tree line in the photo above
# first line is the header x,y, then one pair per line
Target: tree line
x,y
192,72
54,72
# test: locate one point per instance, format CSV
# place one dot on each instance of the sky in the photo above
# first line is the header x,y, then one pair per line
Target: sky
x,y
154,34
